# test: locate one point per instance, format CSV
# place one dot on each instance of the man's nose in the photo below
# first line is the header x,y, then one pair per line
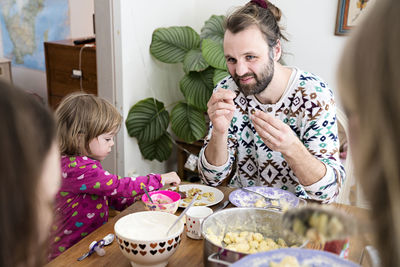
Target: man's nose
x,y
241,68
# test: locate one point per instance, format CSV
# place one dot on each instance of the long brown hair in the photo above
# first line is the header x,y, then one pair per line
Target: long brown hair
x,y
369,82
82,117
27,134
266,19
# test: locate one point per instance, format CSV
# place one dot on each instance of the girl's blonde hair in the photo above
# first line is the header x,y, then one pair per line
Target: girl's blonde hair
x,y
369,81
82,117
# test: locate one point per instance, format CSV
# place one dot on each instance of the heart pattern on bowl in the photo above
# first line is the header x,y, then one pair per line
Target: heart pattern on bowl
x,y
155,248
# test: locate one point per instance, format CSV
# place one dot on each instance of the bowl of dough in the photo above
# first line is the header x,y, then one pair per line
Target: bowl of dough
x,y
232,234
142,237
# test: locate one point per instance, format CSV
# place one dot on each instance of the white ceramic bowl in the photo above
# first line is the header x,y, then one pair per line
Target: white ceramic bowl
x,y
142,238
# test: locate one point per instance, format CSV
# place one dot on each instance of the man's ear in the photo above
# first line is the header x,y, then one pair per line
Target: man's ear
x,y
277,51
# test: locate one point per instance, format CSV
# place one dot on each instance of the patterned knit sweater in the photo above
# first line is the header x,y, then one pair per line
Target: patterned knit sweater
x,y
308,107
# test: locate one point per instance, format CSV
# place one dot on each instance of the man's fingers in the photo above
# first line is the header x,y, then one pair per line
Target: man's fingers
x,y
263,125
222,95
224,105
218,112
220,106
270,119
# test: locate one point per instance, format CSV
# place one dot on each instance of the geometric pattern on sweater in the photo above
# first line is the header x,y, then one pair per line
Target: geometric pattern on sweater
x,y
308,107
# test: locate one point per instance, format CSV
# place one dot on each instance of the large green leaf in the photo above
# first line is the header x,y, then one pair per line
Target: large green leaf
x,y
170,45
213,53
188,123
160,149
219,75
194,61
213,29
147,120
197,88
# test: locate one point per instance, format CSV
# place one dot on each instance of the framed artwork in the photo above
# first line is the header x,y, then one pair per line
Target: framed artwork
x,y
349,13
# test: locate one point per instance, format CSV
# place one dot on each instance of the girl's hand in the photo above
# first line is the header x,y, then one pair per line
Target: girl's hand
x,y
171,178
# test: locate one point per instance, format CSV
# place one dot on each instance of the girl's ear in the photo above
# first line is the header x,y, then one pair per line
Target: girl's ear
x,y
277,50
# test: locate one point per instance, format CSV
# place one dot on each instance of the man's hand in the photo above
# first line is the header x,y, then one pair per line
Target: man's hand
x,y
220,109
276,134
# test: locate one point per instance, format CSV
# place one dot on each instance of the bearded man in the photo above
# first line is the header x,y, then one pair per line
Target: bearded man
x,y
271,125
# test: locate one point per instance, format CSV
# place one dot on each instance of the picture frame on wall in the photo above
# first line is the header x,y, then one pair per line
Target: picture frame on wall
x,y
350,13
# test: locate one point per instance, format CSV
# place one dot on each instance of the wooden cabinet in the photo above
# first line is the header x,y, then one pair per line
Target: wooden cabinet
x,y
64,62
5,70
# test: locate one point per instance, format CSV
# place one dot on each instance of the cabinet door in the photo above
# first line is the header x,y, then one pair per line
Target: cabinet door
x,y
61,61
5,70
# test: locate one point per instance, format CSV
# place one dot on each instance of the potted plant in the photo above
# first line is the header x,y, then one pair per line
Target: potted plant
x,y
204,65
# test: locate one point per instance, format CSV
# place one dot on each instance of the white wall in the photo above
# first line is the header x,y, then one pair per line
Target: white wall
x,y
312,47
144,76
80,17
81,26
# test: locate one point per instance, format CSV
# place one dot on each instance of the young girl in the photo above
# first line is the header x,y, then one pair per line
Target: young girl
x,y
86,126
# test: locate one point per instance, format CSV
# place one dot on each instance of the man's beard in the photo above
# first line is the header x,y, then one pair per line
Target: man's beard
x,y
262,80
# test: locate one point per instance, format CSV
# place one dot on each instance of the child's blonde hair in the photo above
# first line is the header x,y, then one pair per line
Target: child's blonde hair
x,y
82,117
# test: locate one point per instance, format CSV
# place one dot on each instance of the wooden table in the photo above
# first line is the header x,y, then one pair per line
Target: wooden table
x,y
189,253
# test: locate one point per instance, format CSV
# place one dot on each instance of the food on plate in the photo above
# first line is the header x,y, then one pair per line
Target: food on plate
x,y
261,203
288,261
200,204
246,241
187,196
181,193
264,197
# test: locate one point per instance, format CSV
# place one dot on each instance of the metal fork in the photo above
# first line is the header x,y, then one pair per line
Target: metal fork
x,y
268,200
